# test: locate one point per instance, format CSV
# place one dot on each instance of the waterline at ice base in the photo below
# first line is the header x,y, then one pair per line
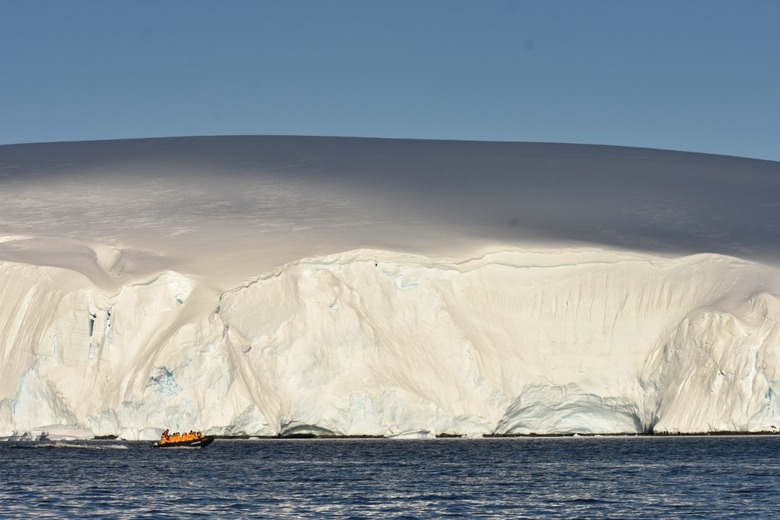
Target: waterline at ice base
x,y
288,286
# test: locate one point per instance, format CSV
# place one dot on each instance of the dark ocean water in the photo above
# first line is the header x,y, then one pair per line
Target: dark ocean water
x,y
616,477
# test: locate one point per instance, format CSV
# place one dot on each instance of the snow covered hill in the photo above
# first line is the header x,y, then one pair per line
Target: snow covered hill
x,y
282,285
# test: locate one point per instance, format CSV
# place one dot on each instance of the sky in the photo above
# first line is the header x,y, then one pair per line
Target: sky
x,y
691,75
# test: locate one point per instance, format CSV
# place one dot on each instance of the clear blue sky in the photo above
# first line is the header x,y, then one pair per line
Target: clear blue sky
x,y
686,75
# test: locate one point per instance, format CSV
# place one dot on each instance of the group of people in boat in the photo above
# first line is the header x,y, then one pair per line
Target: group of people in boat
x,y
166,437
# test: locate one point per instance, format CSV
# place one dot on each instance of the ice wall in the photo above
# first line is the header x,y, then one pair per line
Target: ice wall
x,y
380,343
718,370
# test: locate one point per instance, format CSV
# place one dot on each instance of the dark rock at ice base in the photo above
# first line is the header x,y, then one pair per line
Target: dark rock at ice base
x,y
305,431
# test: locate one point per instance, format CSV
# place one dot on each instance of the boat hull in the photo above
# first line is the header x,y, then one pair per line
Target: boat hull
x,y
197,443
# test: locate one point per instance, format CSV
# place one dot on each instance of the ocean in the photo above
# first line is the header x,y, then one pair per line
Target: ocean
x,y
564,477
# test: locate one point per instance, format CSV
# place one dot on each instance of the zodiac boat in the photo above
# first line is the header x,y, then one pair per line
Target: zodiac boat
x,y
183,440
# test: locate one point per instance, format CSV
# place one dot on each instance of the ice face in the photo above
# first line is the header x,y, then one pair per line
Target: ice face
x,y
373,343
152,296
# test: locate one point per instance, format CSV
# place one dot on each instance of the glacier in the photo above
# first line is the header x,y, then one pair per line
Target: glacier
x,y
407,289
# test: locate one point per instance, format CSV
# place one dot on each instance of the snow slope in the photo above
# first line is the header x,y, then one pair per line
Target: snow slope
x,y
279,285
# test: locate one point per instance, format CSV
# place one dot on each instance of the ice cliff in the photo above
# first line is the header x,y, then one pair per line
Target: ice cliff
x,y
372,342
289,286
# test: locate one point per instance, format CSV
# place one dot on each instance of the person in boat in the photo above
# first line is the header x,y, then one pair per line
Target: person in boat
x,y
191,436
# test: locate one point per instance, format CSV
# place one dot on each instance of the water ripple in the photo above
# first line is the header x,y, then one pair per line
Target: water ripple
x,y
700,477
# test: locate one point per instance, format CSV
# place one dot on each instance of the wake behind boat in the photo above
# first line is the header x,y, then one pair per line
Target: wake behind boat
x,y
183,440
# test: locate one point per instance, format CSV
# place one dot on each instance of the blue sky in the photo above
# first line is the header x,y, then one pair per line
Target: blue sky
x,y
686,75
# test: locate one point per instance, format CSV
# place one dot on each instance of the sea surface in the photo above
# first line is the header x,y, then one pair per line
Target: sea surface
x,y
569,477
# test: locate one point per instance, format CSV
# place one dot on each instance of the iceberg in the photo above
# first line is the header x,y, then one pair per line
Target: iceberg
x,y
409,289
